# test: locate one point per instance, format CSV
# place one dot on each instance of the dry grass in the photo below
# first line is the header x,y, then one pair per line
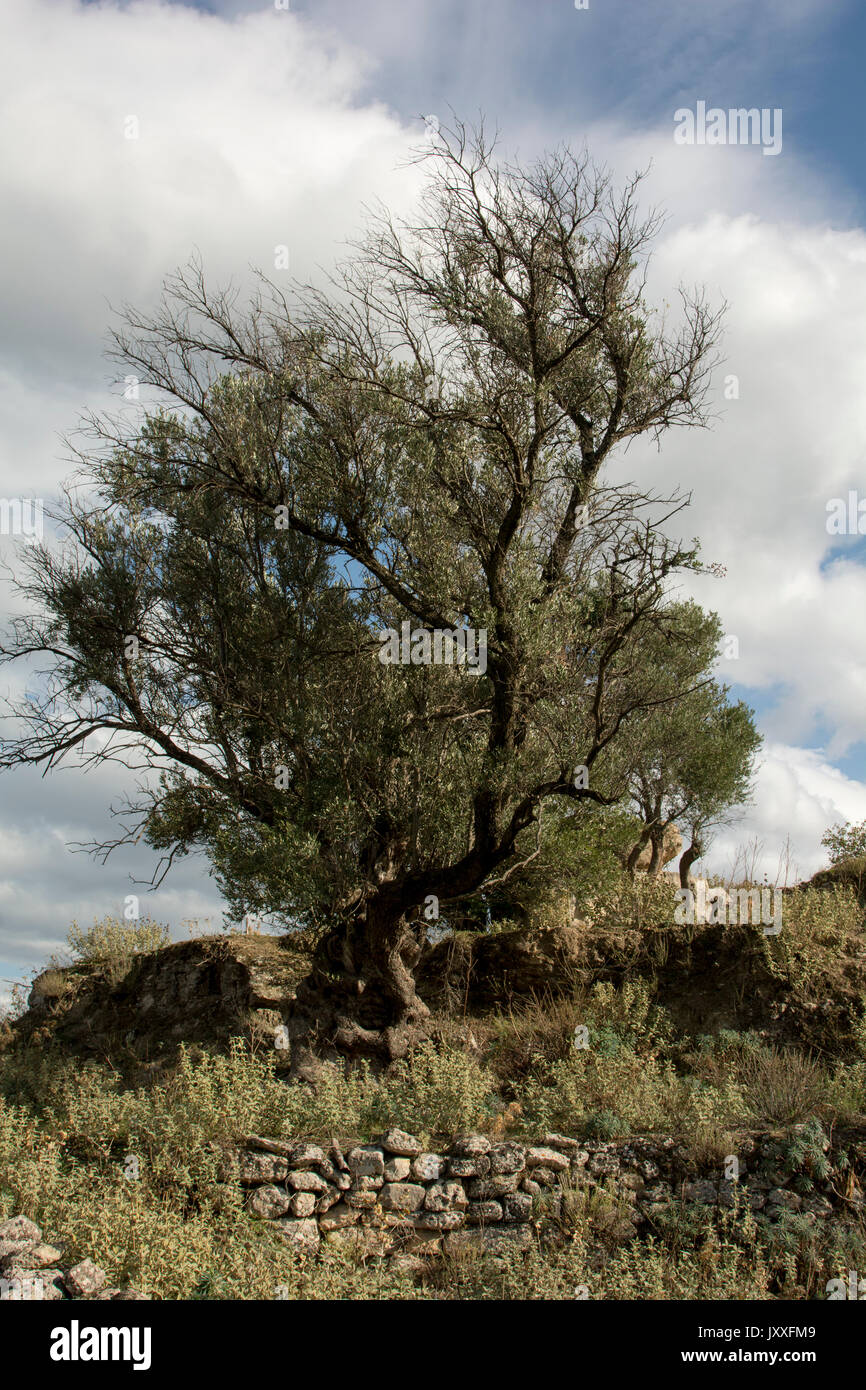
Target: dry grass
x,y
533,1035
782,1086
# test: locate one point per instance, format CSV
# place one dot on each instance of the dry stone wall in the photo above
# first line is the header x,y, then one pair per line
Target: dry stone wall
x,y
395,1198
400,1200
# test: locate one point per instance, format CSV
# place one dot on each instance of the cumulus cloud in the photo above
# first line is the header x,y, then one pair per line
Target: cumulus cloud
x,y
792,438
798,795
133,135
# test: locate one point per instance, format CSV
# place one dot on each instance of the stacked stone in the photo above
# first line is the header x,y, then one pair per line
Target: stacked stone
x,y
31,1269
395,1198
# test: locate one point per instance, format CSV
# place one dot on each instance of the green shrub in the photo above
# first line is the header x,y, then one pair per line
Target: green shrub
x,y
631,1014
562,1096
637,902
113,944
846,1092
439,1091
604,1124
805,1150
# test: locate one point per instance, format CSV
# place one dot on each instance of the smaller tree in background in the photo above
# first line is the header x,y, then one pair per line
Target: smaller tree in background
x,y
693,758
718,778
686,760
845,841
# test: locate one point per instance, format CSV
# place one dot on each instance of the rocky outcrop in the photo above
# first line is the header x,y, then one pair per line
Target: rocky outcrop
x,y
708,977
203,991
32,1270
672,845
487,967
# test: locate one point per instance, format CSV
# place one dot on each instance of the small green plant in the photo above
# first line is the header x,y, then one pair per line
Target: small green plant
x,y
631,1014
604,1124
805,1150
113,944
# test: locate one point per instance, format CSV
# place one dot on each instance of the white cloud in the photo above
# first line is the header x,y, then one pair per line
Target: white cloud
x,y
799,795
248,138
761,478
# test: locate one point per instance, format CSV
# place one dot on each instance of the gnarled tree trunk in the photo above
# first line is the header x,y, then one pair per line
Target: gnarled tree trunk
x,y
359,999
657,842
634,856
687,859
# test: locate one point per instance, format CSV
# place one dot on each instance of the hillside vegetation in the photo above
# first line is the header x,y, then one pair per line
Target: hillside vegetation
x,y
712,1037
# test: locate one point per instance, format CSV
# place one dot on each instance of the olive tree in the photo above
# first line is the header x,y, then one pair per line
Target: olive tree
x,y
417,451
691,760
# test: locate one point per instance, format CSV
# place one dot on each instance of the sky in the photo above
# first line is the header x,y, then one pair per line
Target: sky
x,y
132,135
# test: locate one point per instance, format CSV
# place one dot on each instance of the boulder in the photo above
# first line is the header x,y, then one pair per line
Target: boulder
x,y
19,1230
85,1279
672,845
482,1213
338,1218
397,1170
366,1161
253,1168
402,1196
427,1167
303,1204
445,1196
470,1145
301,1233
269,1202
546,1158
397,1141
307,1182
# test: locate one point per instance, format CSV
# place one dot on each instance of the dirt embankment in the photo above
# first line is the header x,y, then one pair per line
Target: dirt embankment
x,y
804,987
708,978
204,991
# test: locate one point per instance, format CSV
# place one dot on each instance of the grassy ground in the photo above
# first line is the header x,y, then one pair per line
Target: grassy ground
x,y
69,1127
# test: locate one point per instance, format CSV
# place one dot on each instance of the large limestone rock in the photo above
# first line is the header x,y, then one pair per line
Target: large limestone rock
x,y
204,991
85,1279
672,846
